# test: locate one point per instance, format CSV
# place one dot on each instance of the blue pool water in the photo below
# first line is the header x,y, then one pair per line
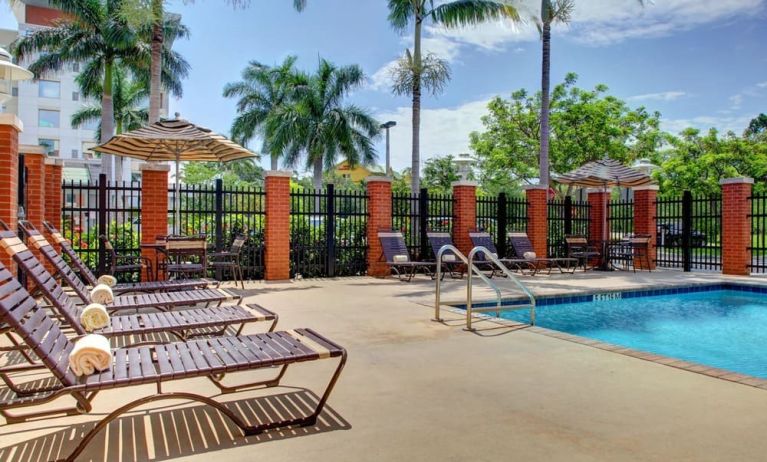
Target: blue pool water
x,y
721,328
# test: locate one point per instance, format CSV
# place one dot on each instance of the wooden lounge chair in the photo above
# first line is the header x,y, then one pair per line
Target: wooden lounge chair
x,y
160,300
398,257
483,239
184,324
450,260
82,269
212,358
578,247
522,247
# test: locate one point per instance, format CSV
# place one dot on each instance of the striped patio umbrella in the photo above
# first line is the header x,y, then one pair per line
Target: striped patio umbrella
x,y
175,140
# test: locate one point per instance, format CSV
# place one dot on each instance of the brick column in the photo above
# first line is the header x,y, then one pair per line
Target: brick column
x,y
154,209
53,201
736,226
464,213
277,217
34,161
10,127
538,218
644,218
379,218
598,201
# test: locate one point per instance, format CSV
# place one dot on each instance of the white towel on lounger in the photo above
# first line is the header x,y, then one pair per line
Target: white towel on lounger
x,y
448,258
94,316
400,259
90,354
108,280
102,294
530,255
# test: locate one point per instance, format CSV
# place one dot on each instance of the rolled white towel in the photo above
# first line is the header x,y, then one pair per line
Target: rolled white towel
x,y
107,280
102,294
530,255
94,316
448,258
400,259
90,354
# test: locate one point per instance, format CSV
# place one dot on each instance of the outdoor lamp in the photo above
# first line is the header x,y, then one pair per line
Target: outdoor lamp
x,y
10,73
464,163
386,126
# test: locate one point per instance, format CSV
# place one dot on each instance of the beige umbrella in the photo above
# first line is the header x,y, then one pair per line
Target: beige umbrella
x,y
175,140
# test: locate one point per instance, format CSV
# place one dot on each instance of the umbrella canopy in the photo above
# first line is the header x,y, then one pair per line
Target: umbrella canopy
x,y
604,173
175,140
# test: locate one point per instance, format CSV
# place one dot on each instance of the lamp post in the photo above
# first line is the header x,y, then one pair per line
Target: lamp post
x,y
387,126
463,163
9,73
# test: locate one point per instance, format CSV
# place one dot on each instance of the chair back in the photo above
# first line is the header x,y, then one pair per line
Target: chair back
x,y
393,244
111,253
237,243
439,240
181,248
640,240
66,249
483,239
520,243
30,322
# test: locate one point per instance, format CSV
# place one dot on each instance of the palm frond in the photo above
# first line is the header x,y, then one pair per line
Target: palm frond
x,y
401,12
468,12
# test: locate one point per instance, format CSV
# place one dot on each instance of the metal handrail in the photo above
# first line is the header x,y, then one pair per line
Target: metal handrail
x,y
473,269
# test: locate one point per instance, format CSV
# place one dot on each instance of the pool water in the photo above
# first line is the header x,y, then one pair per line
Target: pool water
x,y
721,328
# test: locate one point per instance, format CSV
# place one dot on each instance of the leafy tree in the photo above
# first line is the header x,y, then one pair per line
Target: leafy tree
x,y
586,125
414,71
439,173
757,128
238,173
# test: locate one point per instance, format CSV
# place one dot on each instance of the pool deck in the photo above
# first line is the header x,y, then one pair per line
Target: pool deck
x,y
414,389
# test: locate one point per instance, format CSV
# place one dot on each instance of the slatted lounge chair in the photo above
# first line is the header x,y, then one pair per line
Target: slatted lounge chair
x,y
184,324
450,260
212,358
397,256
522,246
578,247
483,239
82,269
163,301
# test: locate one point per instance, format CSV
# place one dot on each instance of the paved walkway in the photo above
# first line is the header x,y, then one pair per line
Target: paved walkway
x,y
418,390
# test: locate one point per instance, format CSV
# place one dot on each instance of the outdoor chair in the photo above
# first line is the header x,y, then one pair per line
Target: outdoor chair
x,y
212,358
183,324
126,264
186,256
450,260
397,256
635,249
523,248
230,260
578,247
484,239
78,265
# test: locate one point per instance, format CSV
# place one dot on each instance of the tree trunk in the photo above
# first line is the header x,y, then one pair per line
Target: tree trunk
x,y
317,179
107,119
275,161
155,68
545,78
415,167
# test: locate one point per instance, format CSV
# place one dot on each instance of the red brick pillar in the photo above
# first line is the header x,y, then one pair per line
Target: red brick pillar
x,y
34,161
736,226
277,217
538,218
154,209
644,218
53,201
10,127
464,213
598,201
379,218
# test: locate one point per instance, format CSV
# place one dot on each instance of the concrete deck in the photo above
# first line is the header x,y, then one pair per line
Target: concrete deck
x,y
418,390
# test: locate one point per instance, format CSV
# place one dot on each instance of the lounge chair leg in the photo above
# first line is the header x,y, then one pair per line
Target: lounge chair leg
x,y
216,379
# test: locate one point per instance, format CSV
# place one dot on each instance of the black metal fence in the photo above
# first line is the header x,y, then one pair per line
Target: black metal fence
x,y
91,209
566,217
499,215
759,234
689,232
620,218
415,214
328,232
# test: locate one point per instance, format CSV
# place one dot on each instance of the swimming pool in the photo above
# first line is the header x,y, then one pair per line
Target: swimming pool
x,y
722,326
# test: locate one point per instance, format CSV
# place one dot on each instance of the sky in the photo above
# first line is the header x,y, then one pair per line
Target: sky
x,y
700,63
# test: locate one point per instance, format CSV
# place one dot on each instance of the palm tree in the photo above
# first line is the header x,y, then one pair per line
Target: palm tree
x,y
451,14
261,92
318,124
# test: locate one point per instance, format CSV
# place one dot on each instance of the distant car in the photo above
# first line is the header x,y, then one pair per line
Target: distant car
x,y
670,235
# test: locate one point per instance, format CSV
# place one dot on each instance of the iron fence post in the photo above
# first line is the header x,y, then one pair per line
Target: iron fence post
x,y
500,233
22,204
102,223
330,230
568,215
686,231
219,215
423,222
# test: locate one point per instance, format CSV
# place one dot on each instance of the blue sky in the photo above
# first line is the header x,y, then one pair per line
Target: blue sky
x,y
699,62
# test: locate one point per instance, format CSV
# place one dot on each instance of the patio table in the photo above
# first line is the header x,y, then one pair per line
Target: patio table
x,y
159,249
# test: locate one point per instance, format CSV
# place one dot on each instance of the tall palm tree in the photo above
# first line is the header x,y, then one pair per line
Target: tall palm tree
x,y
317,123
261,92
455,13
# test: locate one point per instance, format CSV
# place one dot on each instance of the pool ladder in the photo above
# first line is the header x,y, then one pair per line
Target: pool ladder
x,y
472,270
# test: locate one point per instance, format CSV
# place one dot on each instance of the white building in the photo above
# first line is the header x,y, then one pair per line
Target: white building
x,y
45,106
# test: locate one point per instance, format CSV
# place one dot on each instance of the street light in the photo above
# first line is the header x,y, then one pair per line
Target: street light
x,y
387,126
9,73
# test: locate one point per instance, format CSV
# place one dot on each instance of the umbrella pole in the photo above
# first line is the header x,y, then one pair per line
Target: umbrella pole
x,y
177,221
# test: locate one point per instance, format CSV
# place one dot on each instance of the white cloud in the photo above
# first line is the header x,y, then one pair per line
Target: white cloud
x,y
660,96
724,124
736,101
762,84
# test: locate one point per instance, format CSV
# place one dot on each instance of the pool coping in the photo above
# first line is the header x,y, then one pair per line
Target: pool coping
x,y
689,366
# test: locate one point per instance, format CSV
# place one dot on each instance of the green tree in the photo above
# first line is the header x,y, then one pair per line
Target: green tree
x,y
238,173
455,13
261,92
439,173
757,128
318,126
586,125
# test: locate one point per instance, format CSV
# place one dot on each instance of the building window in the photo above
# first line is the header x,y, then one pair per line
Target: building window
x,y
75,153
51,146
76,67
88,150
48,118
15,91
75,96
49,89
162,100
92,124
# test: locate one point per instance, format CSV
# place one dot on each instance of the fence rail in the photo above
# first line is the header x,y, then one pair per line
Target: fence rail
x,y
620,218
499,215
689,232
415,214
758,234
566,217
